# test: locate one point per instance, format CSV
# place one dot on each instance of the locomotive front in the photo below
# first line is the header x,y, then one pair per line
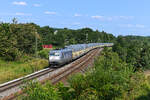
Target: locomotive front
x,y
55,57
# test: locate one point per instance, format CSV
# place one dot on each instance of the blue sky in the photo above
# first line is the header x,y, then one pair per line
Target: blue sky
x,y
119,17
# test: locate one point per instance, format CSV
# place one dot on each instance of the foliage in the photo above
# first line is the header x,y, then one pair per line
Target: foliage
x,y
110,79
16,39
8,43
25,58
133,50
40,92
62,37
44,53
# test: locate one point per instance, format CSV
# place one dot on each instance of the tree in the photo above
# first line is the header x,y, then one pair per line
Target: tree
x,y
14,21
17,39
8,43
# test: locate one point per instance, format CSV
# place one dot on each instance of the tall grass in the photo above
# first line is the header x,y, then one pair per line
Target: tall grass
x,y
12,70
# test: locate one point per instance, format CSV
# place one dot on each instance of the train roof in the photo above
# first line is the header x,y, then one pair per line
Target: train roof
x,y
61,50
77,47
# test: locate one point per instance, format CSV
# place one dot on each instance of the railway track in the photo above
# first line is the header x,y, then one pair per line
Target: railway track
x,y
8,90
76,67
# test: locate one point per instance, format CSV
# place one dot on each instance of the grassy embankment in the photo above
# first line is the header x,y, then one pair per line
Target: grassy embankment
x,y
10,70
13,70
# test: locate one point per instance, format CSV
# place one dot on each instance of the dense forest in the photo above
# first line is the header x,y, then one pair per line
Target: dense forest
x,y
62,37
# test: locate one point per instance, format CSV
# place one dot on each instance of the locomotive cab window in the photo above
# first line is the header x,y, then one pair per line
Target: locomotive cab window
x,y
54,54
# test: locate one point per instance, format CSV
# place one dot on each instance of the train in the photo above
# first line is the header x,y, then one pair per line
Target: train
x,y
72,52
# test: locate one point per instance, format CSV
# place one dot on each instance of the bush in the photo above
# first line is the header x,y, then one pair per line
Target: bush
x,y
36,91
11,54
44,53
25,58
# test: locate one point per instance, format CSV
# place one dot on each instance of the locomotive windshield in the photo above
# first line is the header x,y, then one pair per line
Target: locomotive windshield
x,y
54,54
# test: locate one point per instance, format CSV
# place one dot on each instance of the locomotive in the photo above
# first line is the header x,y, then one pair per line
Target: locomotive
x,y
71,52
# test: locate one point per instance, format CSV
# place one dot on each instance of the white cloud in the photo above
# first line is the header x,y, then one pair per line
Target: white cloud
x,y
16,14
132,25
22,14
140,26
22,3
127,25
112,18
109,18
7,14
98,17
50,13
36,5
77,15
76,23
122,17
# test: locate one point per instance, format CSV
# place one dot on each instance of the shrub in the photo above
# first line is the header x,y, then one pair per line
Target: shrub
x,y
11,54
36,91
25,58
44,53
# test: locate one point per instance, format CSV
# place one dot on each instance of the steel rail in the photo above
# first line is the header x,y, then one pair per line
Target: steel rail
x,y
83,62
18,81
